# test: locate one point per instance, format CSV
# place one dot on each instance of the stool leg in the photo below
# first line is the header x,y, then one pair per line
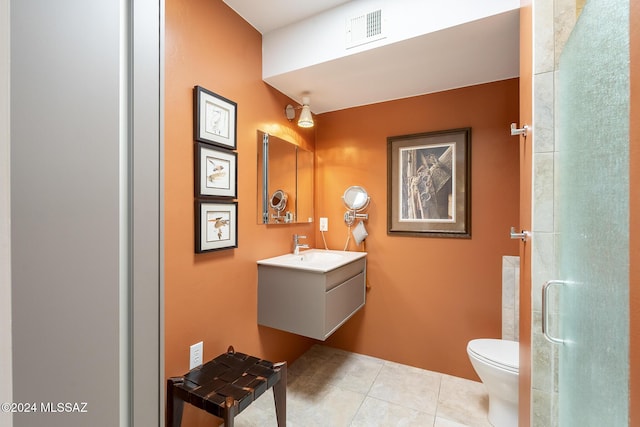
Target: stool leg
x,y
280,395
175,405
229,411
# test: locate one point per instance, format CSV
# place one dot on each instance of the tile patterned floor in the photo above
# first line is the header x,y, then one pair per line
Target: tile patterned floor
x,y
328,387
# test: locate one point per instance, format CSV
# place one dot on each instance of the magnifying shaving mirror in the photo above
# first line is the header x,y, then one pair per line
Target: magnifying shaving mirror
x,y
278,202
355,199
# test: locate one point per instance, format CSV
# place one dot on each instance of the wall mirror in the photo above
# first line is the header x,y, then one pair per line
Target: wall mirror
x,y
285,181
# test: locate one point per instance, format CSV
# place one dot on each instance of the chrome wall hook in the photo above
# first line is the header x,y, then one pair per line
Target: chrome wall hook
x,y
522,235
522,131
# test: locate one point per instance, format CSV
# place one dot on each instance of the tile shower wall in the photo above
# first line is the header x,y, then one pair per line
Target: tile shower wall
x,y
554,20
510,297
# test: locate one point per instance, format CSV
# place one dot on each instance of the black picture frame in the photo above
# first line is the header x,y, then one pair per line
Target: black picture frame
x,y
216,172
215,119
429,184
216,225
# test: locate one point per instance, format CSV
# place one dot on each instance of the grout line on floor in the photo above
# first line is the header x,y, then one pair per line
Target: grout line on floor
x,y
435,416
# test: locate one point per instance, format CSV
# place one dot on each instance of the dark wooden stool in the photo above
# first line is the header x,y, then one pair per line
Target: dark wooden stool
x,y
227,385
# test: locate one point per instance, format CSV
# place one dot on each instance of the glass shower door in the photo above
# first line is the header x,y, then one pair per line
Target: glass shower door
x,y
593,220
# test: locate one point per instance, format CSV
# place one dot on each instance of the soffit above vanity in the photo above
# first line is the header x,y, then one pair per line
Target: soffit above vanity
x,y
422,47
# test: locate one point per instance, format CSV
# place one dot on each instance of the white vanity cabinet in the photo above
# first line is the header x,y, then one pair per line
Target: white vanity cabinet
x,y
309,301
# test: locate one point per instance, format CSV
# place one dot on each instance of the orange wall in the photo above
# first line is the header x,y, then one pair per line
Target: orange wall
x,y
212,297
428,296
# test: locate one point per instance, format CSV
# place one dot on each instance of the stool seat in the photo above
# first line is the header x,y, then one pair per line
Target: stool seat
x,y
227,385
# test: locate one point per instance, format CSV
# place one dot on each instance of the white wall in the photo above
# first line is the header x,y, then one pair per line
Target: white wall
x,y
5,226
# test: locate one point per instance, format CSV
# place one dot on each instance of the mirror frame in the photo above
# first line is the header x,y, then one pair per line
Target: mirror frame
x,y
357,190
282,200
295,195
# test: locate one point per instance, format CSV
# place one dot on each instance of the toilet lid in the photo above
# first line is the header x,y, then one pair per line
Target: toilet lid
x,y
498,352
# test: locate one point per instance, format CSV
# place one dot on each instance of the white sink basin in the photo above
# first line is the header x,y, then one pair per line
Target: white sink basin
x,y
319,260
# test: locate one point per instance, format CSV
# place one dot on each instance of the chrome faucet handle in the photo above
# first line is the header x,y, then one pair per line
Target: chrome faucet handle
x,y
296,243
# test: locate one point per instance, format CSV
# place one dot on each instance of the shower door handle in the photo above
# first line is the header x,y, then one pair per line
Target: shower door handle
x,y
545,310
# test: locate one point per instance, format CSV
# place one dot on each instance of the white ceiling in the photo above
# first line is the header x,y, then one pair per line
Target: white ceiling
x,y
474,53
268,15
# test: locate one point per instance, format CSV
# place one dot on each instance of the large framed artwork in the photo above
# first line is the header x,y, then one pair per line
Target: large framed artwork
x,y
216,172
216,118
216,225
429,184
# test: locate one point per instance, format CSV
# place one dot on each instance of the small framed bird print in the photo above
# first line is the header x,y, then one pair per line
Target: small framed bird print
x,y
216,172
215,118
216,225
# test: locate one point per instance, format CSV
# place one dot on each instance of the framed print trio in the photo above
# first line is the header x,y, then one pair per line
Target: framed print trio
x,y
215,171
428,183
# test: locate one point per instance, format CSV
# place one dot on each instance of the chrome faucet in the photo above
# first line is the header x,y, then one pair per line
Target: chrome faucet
x,y
297,245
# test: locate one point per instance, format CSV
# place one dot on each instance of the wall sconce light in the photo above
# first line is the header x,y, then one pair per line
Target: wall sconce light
x,y
306,119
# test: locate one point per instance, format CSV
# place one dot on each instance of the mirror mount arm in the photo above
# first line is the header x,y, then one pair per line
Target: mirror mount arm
x,y
351,215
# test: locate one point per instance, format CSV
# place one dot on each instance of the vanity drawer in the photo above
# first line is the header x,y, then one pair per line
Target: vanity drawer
x,y
343,301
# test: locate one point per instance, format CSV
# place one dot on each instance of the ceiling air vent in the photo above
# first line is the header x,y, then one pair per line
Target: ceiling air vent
x,y
365,28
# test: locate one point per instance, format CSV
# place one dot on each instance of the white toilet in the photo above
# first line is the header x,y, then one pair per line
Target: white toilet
x,y
496,363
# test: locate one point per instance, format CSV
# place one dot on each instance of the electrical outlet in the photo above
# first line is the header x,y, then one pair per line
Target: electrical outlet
x,y
195,355
324,224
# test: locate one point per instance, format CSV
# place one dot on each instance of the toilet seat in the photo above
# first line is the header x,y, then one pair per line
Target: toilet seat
x,y
502,354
